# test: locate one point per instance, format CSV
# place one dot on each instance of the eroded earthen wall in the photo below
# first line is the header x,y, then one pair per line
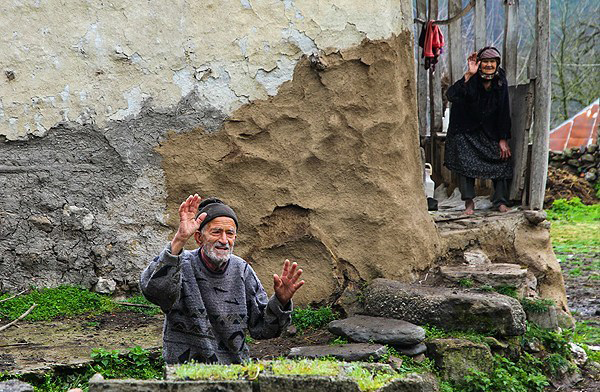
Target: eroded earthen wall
x,y
300,114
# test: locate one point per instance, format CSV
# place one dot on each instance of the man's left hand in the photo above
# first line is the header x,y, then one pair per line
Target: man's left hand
x,y
504,150
286,285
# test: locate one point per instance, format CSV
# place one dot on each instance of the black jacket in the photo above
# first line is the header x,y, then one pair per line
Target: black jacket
x,y
475,109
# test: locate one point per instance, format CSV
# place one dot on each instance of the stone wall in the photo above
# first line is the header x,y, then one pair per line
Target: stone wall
x,y
582,161
300,114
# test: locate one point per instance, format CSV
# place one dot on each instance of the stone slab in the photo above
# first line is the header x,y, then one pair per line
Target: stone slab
x,y
413,350
15,386
495,275
453,309
454,358
345,352
381,330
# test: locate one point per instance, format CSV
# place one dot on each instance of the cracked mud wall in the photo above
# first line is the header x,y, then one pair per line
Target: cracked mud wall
x,y
88,90
325,173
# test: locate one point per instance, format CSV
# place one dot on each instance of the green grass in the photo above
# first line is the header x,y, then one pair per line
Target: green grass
x,y
305,367
575,227
307,318
67,301
197,371
432,332
54,302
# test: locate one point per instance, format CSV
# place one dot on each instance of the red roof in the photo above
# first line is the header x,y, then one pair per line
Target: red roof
x,y
579,130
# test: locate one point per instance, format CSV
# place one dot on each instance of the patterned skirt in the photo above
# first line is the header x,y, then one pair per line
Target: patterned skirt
x,y
475,155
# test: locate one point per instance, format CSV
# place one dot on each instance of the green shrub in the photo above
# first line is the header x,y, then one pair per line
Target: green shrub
x,y
507,376
136,363
573,210
305,318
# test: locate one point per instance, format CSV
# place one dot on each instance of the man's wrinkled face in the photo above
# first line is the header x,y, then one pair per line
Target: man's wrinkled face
x,y
216,240
488,66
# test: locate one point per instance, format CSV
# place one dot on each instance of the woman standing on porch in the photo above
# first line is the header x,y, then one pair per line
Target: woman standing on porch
x,y
479,129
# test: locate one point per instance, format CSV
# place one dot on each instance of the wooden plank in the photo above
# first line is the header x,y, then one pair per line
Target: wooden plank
x,y
541,127
480,26
521,103
435,85
455,39
511,30
422,78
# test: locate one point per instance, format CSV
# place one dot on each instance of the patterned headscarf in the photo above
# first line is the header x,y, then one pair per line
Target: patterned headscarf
x,y
489,52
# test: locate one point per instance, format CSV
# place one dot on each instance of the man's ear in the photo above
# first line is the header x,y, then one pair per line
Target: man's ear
x,y
198,238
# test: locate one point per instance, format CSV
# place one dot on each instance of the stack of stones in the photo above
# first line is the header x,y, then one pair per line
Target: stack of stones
x,y
582,161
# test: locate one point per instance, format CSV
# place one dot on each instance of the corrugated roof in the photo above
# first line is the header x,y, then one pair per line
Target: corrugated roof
x,y
579,130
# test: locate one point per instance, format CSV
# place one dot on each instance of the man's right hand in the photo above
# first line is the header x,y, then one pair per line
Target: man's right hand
x,y
188,224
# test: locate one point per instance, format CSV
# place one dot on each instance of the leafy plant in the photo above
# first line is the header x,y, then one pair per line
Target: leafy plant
x,y
508,290
305,318
136,363
506,376
465,283
537,305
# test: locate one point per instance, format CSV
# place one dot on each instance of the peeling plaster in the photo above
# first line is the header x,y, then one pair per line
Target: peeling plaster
x,y
117,47
271,80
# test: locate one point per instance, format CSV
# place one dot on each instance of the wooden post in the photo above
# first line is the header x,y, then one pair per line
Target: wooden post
x,y
455,41
435,89
541,127
422,83
480,26
511,29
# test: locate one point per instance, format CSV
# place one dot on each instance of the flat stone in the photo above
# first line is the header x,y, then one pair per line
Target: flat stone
x,y
412,351
456,357
535,217
495,275
15,386
413,382
345,352
453,309
382,330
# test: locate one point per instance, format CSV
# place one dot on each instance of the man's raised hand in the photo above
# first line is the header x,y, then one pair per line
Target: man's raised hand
x,y
286,285
188,223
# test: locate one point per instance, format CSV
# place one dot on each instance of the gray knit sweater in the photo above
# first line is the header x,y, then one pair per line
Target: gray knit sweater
x,y
207,313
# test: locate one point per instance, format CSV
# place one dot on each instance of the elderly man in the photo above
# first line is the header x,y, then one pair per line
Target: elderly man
x,y
209,295
477,139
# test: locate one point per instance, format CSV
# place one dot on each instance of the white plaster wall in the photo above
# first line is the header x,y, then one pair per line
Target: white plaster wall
x,y
93,61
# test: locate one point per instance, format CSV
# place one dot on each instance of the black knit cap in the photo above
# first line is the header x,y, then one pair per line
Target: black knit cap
x,y
215,208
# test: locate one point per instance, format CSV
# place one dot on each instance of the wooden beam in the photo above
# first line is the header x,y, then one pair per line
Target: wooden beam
x,y
480,26
455,42
422,79
435,85
541,127
521,113
511,30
